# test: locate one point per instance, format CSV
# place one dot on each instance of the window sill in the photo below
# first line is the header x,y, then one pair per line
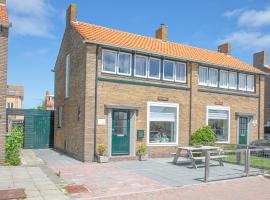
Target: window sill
x,y
227,91
223,142
162,144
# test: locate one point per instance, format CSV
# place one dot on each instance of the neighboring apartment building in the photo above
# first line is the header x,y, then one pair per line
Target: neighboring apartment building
x,y
14,99
260,60
120,88
14,96
4,28
49,101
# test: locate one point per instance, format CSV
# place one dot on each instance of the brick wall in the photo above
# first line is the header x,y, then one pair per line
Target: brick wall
x,y
70,137
3,83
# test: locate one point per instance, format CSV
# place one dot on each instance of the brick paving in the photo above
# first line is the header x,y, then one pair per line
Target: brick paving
x,y
251,188
154,179
36,184
12,194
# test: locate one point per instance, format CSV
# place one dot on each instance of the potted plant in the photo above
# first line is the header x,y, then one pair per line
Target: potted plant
x,y
143,156
101,150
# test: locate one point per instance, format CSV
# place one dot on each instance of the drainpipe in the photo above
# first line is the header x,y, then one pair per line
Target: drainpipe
x,y
95,111
190,100
259,110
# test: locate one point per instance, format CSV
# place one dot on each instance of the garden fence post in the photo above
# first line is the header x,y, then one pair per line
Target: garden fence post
x,y
207,166
247,161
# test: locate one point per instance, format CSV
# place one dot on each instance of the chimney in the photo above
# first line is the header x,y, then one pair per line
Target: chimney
x,y
71,14
225,48
260,59
162,32
2,1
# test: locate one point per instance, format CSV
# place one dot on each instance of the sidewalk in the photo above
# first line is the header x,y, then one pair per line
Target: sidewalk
x,y
32,176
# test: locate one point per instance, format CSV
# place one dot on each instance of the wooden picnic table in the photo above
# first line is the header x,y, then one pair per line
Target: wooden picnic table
x,y
201,151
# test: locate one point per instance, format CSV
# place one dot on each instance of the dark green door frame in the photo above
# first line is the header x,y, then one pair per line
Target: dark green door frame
x,y
243,129
120,132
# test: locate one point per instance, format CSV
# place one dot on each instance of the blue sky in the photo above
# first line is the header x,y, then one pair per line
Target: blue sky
x,y
38,27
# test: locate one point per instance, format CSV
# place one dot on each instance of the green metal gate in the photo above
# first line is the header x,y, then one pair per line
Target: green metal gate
x,y
38,127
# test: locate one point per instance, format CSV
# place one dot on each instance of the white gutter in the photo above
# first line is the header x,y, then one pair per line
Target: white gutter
x,y
172,57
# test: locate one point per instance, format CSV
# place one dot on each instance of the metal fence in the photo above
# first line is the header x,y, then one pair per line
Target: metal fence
x,y
237,163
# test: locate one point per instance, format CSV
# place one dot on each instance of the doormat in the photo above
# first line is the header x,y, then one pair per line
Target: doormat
x,y
12,194
74,189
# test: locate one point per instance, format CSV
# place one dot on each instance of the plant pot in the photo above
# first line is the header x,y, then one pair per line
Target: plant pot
x,y
103,159
143,157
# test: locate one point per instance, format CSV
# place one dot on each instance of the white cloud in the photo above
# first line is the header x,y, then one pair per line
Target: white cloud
x,y
250,18
233,13
248,40
255,18
31,17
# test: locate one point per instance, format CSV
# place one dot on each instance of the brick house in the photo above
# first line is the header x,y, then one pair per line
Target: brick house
x,y
120,88
260,60
49,101
4,28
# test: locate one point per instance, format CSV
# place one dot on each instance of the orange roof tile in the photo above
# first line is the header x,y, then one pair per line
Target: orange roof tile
x,y
3,14
152,45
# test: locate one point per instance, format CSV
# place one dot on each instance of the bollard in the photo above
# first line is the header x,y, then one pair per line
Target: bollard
x,y
207,166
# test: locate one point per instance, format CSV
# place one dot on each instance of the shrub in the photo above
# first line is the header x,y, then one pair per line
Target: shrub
x,y
141,149
14,143
101,149
203,136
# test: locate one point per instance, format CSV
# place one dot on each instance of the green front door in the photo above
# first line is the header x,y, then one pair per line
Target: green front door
x,y
243,130
120,132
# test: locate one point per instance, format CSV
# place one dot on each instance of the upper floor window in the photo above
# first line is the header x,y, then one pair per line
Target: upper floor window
x,y
180,72
213,77
67,75
9,105
141,66
124,63
168,72
226,79
242,81
154,68
250,83
203,75
233,80
109,61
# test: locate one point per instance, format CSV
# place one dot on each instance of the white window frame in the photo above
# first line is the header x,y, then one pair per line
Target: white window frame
x,y
165,79
229,120
130,62
175,105
116,61
209,84
67,78
201,83
135,66
253,89
148,71
242,89
185,72
225,71
232,88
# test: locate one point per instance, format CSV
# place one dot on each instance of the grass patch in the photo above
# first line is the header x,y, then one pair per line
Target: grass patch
x,y
256,161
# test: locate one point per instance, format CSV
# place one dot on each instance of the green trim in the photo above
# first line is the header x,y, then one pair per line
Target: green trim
x,y
217,91
144,83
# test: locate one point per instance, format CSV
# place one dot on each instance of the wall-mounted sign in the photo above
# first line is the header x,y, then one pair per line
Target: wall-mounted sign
x,y
101,122
219,102
254,122
163,99
140,134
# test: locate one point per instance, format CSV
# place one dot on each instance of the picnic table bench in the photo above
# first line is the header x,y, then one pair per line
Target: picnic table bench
x,y
198,154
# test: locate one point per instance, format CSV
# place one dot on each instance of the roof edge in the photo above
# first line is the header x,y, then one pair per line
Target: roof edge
x,y
173,57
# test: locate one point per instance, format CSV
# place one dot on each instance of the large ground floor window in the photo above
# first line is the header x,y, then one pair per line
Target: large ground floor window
x,y
218,118
162,123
